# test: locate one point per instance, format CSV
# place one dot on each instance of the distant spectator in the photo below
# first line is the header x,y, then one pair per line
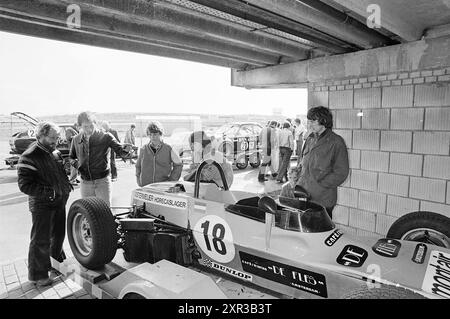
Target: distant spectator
x,y
202,150
70,133
89,153
157,161
286,142
130,138
298,135
107,128
287,190
267,139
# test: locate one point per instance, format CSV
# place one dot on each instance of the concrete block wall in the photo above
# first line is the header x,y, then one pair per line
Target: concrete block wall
x,y
397,130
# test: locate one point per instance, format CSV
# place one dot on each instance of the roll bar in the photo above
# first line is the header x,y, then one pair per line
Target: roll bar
x,y
199,170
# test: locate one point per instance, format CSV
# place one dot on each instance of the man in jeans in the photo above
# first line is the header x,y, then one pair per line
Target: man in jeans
x,y
286,142
90,154
42,177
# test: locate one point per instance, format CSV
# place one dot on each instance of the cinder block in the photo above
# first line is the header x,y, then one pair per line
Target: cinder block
x,y
340,214
349,87
414,74
372,78
383,223
426,73
364,180
403,76
437,94
439,72
366,140
376,84
367,85
431,143
348,119
354,158
368,98
407,119
407,81
365,233
347,183
386,83
375,161
396,141
427,189
397,82
392,76
437,167
406,164
317,98
419,80
372,202
345,82
362,220
341,99
435,208
363,80
346,135
358,86
399,206
353,81
347,229
376,119
448,193
444,78
437,119
382,77
430,79
333,88
393,184
347,197
398,96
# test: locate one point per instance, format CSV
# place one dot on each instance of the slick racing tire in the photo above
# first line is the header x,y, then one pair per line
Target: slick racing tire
x,y
92,232
382,292
133,295
425,227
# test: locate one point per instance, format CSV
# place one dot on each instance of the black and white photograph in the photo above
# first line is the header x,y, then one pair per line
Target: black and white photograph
x,y
225,158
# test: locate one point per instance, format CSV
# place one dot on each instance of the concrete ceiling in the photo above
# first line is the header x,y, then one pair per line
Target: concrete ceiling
x,y
233,33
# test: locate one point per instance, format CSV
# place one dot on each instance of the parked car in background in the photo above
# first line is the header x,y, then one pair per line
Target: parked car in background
x,y
239,143
20,141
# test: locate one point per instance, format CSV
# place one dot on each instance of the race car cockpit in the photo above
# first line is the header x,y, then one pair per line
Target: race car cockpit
x,y
290,214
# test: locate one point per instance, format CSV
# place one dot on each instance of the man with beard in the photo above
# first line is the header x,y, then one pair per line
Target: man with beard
x,y
42,177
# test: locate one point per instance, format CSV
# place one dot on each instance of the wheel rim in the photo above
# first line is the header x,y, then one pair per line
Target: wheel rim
x,y
429,236
82,235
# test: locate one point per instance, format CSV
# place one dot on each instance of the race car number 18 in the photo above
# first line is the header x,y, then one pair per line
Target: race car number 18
x,y
214,237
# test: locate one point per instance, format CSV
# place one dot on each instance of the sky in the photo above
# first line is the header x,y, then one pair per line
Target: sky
x,y
45,77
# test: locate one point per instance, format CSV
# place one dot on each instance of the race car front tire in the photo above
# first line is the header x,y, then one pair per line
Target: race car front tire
x,y
426,227
382,292
92,232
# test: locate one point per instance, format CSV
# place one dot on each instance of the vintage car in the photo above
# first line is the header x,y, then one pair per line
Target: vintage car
x,y
238,141
286,245
20,141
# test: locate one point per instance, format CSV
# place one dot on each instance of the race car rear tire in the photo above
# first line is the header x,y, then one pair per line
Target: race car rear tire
x,y
426,227
92,232
382,292
133,295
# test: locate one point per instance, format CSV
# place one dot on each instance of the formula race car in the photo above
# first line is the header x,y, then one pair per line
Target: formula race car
x,y
286,245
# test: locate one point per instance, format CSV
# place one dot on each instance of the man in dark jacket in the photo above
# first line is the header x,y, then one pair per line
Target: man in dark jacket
x,y
324,160
89,153
108,129
42,177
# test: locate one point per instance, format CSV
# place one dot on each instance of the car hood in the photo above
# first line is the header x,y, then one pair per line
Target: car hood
x,y
25,117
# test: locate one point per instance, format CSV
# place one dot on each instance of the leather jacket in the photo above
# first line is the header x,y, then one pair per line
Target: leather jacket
x,y
42,177
91,156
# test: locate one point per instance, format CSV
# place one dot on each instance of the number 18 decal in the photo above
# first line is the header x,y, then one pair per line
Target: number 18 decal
x,y
214,237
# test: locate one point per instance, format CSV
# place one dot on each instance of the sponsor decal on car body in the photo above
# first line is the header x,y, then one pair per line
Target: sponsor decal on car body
x,y
162,200
302,279
419,253
352,256
387,247
333,237
233,272
437,275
